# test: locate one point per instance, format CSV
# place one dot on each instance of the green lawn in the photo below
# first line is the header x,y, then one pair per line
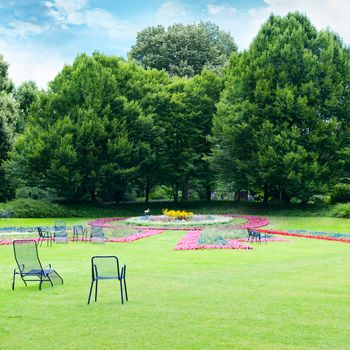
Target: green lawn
x,y
285,295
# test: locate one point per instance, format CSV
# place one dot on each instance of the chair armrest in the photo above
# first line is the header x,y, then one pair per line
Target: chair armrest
x,y
47,266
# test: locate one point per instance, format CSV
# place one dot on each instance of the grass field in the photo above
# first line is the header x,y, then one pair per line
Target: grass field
x,y
285,295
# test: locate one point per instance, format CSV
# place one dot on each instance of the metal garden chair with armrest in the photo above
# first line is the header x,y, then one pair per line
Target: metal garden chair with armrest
x,y
29,266
107,268
79,230
254,235
45,235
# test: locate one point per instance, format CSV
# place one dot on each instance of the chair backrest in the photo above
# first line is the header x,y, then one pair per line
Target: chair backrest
x,y
60,225
40,232
78,229
26,255
97,234
61,231
105,267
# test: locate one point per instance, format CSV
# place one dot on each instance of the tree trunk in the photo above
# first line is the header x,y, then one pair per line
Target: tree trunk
x,y
147,190
176,192
118,195
266,193
185,191
208,192
92,194
239,195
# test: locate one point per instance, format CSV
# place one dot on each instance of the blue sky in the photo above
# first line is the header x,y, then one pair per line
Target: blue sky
x,y
37,37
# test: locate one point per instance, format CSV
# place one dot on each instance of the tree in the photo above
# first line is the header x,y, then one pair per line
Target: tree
x,y
79,136
183,50
25,95
200,97
8,119
283,119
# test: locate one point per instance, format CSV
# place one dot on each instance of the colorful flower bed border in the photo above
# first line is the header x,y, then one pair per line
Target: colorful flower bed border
x,y
252,222
136,236
303,234
190,242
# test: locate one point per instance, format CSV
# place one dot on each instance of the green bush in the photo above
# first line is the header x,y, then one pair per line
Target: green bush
x,y
319,199
31,208
341,210
341,193
160,192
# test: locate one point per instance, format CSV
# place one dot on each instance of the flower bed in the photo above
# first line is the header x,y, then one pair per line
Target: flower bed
x,y
328,236
252,221
105,222
194,221
136,236
191,242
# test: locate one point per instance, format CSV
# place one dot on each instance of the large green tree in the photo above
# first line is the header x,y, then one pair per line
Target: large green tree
x,y
283,119
83,133
183,50
8,120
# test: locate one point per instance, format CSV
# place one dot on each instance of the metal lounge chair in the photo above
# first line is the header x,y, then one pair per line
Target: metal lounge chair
x,y
44,235
107,268
29,266
60,232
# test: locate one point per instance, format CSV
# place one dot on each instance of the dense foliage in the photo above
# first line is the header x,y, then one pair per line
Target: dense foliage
x,y
183,50
8,120
106,125
283,119
274,122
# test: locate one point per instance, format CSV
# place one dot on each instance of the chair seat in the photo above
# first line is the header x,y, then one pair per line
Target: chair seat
x,y
108,278
38,272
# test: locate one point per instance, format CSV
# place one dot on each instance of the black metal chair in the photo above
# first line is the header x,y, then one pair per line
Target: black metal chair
x,y
97,235
45,235
60,232
29,266
107,268
255,236
79,230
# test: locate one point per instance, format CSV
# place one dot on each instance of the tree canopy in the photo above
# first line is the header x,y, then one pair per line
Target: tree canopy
x,y
275,120
283,119
183,50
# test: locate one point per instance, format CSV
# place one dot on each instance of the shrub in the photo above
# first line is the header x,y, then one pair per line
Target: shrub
x,y
341,210
341,193
31,208
161,192
319,199
36,193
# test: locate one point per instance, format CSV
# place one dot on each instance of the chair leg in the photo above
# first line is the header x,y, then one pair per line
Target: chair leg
x,y
92,284
126,291
96,287
13,280
121,291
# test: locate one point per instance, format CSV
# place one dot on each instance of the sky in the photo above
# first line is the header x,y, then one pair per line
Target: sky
x,y
37,37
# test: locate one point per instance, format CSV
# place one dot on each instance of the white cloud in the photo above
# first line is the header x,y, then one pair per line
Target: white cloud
x,y
31,62
245,24
171,12
22,29
77,12
224,9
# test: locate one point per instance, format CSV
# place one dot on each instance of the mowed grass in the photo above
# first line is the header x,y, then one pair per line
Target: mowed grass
x,y
284,295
